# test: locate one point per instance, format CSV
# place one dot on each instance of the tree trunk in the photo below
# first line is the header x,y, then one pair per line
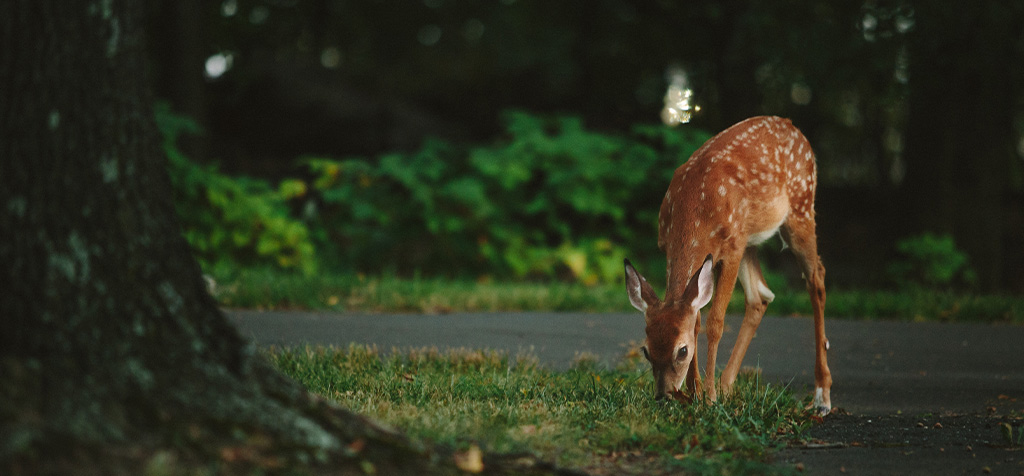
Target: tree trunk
x,y
111,351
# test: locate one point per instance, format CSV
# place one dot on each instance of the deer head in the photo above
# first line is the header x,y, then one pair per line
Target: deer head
x,y
671,326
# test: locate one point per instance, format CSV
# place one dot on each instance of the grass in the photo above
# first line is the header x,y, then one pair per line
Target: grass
x,y
589,417
266,289
273,290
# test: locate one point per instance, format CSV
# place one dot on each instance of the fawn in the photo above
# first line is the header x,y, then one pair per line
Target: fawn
x,y
750,181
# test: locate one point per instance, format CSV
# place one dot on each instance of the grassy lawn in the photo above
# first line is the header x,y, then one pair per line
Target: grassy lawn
x,y
274,290
589,417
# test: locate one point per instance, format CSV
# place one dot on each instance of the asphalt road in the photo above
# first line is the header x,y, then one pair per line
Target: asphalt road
x,y
906,372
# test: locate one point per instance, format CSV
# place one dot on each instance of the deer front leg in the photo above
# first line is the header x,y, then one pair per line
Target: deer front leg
x,y
716,316
693,375
757,298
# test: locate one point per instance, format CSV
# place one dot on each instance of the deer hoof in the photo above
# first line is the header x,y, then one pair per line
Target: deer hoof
x,y
820,406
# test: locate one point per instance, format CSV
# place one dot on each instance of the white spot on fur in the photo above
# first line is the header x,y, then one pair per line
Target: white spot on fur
x,y
721,190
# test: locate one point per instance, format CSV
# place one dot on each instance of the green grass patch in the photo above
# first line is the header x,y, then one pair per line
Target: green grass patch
x,y
267,289
587,417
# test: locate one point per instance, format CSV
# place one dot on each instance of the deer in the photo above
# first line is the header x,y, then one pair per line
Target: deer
x,y
741,187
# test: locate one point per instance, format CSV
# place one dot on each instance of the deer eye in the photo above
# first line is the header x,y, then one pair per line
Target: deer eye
x,y
681,356
646,354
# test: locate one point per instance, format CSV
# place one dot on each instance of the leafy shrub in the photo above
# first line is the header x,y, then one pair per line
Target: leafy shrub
x,y
549,199
230,222
930,261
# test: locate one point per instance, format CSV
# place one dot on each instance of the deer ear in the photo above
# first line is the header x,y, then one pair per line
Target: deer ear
x,y
701,284
641,294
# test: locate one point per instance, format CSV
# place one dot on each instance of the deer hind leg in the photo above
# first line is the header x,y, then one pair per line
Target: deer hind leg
x,y
716,316
804,242
757,298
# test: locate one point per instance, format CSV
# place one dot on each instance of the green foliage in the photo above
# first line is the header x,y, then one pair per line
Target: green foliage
x,y
231,222
550,199
605,420
930,261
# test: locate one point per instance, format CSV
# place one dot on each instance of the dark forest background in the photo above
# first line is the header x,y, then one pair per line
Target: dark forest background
x,y
913,108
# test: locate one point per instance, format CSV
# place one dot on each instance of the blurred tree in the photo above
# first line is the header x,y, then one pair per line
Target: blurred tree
x,y
110,347
965,73
180,43
335,78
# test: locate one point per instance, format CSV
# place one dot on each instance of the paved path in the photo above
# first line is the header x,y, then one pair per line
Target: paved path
x,y
879,368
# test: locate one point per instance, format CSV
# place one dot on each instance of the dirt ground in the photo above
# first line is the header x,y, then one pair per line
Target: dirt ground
x,y
922,443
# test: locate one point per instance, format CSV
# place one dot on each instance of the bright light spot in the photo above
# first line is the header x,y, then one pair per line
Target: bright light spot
x,y
800,93
330,57
218,64
904,24
869,22
229,8
868,25
678,106
259,15
1020,148
429,35
473,30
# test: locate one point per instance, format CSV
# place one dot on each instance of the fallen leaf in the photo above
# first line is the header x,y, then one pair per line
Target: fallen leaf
x,y
1007,432
681,397
471,460
937,426
357,445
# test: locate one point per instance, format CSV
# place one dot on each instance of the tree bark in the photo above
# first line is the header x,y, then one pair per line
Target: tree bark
x,y
111,351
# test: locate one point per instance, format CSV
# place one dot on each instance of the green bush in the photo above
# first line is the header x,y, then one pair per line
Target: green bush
x,y
930,261
549,199
231,222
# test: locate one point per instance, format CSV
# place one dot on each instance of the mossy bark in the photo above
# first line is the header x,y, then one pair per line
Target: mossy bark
x,y
111,351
